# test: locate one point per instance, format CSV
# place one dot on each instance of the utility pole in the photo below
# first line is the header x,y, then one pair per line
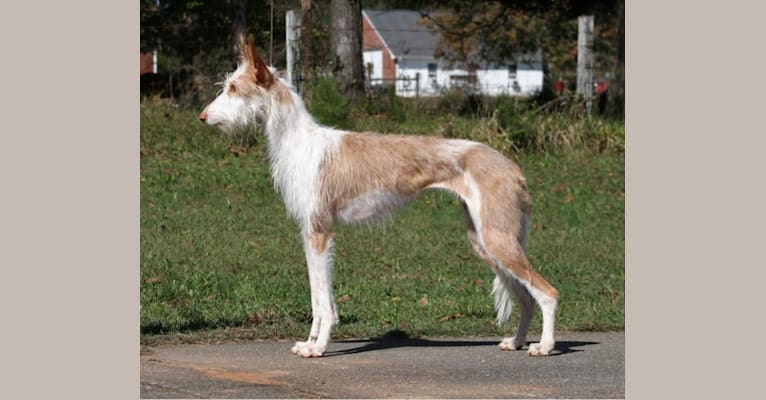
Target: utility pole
x,y
585,60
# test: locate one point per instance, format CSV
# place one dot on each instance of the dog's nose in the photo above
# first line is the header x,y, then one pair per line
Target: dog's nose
x,y
203,116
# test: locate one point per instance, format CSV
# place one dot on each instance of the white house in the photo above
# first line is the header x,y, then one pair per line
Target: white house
x,y
395,45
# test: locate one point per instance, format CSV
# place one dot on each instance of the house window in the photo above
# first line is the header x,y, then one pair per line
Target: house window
x,y
432,70
465,82
512,72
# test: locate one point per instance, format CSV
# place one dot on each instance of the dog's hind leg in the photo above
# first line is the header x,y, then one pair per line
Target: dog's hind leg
x,y
500,290
527,305
500,238
524,282
504,287
318,247
526,301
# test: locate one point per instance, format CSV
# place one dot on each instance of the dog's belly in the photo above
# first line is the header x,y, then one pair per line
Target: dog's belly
x,y
370,206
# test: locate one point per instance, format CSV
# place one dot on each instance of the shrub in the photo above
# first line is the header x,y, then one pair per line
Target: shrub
x,y
453,101
513,124
325,102
383,100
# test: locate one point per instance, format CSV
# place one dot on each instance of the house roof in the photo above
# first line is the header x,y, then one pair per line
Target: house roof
x,y
402,34
406,38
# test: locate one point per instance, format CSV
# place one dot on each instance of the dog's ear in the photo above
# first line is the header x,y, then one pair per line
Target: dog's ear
x,y
256,66
245,50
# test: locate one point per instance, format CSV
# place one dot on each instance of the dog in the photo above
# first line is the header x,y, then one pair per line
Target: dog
x,y
328,176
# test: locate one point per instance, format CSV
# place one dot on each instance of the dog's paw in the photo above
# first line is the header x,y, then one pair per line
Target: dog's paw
x,y
511,344
540,349
308,349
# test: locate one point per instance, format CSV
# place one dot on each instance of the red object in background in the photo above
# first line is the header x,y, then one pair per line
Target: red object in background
x,y
147,63
601,85
559,86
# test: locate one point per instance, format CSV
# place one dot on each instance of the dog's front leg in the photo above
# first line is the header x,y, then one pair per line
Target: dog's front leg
x,y
318,248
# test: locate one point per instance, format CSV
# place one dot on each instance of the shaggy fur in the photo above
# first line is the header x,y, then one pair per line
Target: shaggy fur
x,y
327,175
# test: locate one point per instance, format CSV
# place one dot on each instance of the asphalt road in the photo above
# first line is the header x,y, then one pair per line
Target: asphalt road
x,y
583,365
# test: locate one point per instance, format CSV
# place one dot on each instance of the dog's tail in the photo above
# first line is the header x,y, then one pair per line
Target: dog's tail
x,y
501,289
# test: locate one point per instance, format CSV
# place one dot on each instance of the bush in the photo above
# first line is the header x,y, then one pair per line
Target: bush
x,y
383,100
460,101
507,109
507,123
325,102
512,124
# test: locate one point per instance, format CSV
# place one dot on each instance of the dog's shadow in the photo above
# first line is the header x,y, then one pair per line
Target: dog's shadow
x,y
395,339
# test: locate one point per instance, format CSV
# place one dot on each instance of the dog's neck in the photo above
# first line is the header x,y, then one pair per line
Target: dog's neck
x,y
286,121
297,145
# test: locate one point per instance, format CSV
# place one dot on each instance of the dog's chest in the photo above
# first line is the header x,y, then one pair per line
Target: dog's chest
x,y
295,168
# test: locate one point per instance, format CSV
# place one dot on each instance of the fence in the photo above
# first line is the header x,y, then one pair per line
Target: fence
x,y
403,86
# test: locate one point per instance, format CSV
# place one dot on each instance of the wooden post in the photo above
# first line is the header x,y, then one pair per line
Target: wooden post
x,y
292,47
585,59
417,86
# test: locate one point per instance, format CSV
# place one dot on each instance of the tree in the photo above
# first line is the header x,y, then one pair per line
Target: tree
x,y
497,31
200,28
196,39
238,25
308,39
346,39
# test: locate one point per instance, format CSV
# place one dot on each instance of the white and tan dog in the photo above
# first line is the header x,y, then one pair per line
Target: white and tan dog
x,y
327,175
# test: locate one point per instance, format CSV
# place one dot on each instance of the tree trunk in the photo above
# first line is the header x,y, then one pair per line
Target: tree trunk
x,y
615,102
238,25
307,48
346,39
621,49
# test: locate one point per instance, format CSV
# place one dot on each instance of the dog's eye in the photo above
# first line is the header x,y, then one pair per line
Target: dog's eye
x,y
232,89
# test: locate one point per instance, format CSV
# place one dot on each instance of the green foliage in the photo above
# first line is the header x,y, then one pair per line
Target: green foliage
x,y
327,105
499,31
194,40
508,123
384,101
458,101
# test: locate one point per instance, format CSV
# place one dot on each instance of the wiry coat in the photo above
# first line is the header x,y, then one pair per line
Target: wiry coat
x,y
327,175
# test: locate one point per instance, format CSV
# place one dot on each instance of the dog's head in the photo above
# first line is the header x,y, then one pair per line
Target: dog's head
x,y
244,99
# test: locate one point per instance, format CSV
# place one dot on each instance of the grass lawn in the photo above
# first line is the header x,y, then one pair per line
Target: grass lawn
x,y
220,260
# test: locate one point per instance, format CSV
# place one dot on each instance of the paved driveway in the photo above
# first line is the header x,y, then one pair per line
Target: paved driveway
x,y
584,365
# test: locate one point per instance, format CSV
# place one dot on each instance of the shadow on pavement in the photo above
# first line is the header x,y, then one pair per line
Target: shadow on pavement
x,y
397,339
567,347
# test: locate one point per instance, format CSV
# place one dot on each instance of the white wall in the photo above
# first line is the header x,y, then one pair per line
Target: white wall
x,y
374,57
428,86
494,80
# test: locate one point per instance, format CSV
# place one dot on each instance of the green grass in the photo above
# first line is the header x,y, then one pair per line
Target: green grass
x,y
220,260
